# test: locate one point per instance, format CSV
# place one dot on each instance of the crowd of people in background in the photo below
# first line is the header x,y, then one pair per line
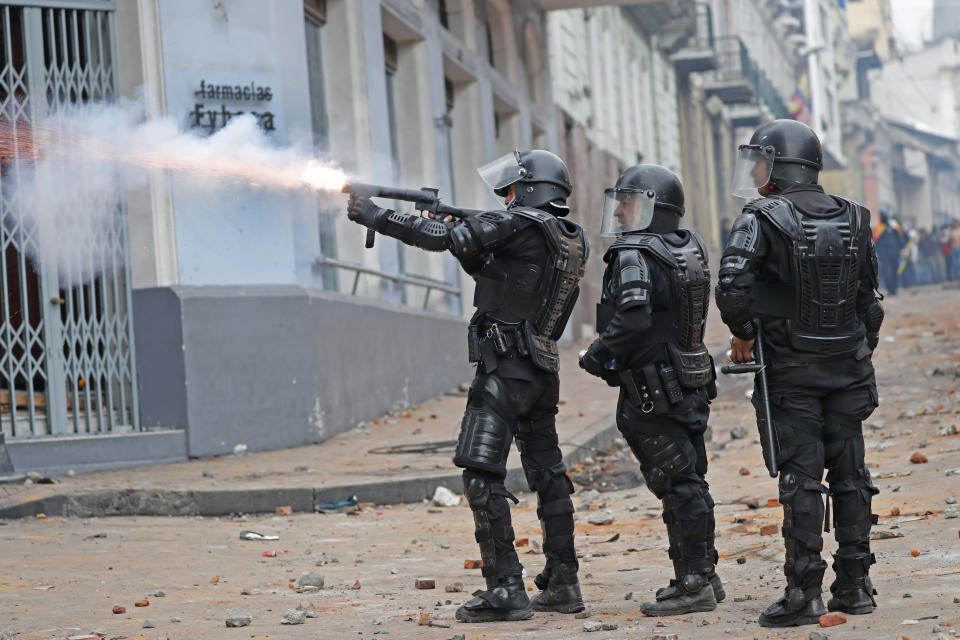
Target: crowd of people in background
x,y
911,257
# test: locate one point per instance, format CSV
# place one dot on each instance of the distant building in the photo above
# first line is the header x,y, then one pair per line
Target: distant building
x,y
946,19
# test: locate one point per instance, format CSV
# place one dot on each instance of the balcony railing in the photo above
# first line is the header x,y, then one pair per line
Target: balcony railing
x,y
698,53
738,79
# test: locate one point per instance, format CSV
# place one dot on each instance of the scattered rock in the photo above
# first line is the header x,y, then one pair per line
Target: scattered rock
x,y
238,618
951,513
914,552
918,458
472,564
443,497
294,616
356,585
769,529
741,561
833,619
665,636
118,609
423,619
425,583
583,615
250,591
609,626
601,519
629,596
142,603
738,433
744,471
458,636
149,624
592,625
456,587
310,579
308,610
950,500
159,593
818,635
284,511
175,619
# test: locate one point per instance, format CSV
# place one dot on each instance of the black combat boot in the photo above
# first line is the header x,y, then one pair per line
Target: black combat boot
x,y
793,609
852,590
560,590
686,594
507,601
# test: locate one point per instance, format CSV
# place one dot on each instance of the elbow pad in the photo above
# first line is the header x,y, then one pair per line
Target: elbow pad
x,y
482,232
741,247
424,233
633,279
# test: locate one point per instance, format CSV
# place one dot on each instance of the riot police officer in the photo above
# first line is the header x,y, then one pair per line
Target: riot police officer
x,y
651,321
802,264
527,261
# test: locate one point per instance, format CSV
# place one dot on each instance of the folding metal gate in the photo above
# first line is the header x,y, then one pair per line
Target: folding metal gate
x,y
66,340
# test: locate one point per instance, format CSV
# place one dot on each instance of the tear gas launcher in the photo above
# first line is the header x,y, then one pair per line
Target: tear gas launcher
x,y
425,200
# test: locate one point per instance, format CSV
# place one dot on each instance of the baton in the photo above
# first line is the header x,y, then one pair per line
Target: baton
x,y
764,421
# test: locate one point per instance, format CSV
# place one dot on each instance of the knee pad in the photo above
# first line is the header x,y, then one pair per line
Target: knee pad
x,y
484,441
802,509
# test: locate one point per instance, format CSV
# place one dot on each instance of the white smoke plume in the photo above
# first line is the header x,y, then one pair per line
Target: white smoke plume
x,y
74,170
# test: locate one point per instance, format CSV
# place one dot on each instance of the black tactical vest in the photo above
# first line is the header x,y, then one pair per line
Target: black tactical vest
x,y
820,311
542,295
681,327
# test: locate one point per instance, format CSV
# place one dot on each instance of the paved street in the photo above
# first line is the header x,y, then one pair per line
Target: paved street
x,y
62,577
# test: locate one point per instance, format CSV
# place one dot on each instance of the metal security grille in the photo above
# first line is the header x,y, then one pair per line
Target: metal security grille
x,y
66,341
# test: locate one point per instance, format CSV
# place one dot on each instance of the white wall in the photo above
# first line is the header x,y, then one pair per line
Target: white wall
x,y
236,235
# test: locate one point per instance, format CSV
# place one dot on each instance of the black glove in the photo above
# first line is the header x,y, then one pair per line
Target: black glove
x,y
593,360
363,211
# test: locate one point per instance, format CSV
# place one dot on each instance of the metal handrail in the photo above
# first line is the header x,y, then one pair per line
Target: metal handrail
x,y
428,283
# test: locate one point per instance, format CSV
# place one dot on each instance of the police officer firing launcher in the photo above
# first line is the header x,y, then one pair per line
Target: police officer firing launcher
x,y
801,264
651,320
527,261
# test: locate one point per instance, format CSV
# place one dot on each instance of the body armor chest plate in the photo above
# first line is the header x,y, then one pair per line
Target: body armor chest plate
x,y
826,274
682,326
514,290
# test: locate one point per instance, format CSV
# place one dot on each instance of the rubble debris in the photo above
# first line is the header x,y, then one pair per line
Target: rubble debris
x,y
665,636
769,529
600,519
738,433
951,430
269,554
238,618
253,535
472,564
741,561
612,538
308,610
294,616
950,500
142,603
952,472
609,626
582,615
356,586
817,635
443,497
918,458
118,609
914,552
284,511
159,593
592,625
456,587
744,471
249,591
425,583
423,619
833,619
149,624
96,536
951,513
885,535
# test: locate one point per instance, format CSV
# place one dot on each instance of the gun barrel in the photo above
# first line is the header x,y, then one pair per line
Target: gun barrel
x,y
391,193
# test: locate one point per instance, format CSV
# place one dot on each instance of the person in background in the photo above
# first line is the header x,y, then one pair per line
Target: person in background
x,y
889,241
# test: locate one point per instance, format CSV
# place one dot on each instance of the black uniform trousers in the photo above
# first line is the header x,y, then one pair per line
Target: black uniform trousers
x,y
818,409
670,448
519,400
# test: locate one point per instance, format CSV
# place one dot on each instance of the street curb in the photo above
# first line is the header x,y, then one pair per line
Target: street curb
x,y
221,502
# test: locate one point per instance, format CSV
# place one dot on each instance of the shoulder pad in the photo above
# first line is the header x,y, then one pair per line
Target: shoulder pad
x,y
633,282
744,234
701,246
779,212
484,231
650,243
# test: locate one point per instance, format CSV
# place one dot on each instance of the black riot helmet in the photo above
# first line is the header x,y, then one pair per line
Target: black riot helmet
x,y
781,154
647,197
539,177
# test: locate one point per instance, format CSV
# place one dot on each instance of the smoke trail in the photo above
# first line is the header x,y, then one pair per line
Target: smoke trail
x,y
73,170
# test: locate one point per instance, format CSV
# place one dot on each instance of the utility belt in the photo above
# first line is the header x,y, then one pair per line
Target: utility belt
x,y
489,343
655,388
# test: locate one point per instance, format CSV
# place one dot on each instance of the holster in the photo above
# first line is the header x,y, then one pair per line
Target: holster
x,y
651,379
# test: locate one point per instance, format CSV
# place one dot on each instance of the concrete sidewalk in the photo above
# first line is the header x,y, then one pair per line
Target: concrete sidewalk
x,y
333,470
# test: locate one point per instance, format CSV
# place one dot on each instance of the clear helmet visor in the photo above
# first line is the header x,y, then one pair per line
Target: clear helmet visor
x,y
503,172
627,210
753,170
